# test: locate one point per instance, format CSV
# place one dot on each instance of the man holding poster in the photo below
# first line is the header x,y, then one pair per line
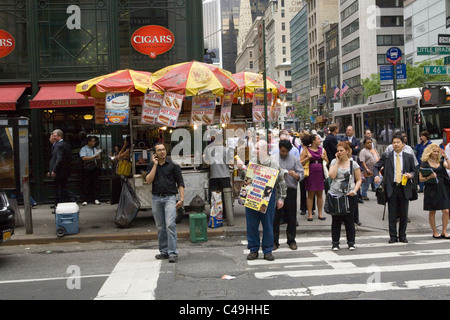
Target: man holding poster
x,y
267,189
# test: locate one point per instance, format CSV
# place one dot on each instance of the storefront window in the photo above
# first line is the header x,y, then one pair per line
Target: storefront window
x,y
77,125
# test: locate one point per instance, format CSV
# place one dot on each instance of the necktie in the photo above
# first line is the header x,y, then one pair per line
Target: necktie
x,y
398,169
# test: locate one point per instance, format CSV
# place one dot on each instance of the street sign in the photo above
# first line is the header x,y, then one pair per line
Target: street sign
x,y
394,55
432,51
436,70
447,61
387,74
388,87
444,39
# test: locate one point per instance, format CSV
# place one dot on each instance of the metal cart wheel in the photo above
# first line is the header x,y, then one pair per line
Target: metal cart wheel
x,y
60,232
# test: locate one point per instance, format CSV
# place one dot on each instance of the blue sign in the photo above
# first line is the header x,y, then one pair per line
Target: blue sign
x,y
394,55
387,72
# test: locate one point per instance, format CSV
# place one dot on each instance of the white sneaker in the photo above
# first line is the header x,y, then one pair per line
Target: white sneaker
x,y
351,247
96,201
84,203
335,247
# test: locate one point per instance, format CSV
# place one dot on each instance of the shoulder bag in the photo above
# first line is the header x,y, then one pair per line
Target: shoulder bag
x,y
306,167
124,168
338,205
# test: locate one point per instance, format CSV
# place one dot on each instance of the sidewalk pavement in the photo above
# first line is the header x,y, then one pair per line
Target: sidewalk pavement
x,y
96,223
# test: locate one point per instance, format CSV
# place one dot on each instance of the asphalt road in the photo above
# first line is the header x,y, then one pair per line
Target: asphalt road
x,y
128,270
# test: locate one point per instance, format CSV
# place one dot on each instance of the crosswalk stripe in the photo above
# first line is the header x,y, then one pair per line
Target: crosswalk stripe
x,y
354,270
134,277
365,287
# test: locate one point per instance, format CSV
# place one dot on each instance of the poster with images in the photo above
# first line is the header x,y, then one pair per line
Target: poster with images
x,y
258,105
150,107
225,111
170,109
275,110
203,109
117,108
258,187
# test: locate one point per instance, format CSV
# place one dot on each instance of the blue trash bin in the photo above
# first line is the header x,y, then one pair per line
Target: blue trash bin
x,y
67,218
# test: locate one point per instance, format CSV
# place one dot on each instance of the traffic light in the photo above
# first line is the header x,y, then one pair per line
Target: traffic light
x,y
433,96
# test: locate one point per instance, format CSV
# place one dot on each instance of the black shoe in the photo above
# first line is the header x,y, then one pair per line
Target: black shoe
x,y
393,240
303,212
252,256
358,223
404,240
269,257
162,256
173,259
360,201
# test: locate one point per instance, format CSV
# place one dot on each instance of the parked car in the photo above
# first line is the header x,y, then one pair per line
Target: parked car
x,y
7,218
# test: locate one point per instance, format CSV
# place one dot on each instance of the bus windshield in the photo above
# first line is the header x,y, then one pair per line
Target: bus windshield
x,y
434,120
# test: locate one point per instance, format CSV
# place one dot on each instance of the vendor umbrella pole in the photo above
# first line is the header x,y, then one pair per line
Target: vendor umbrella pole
x,y
266,120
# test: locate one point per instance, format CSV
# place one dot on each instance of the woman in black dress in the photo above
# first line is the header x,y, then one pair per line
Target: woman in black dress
x,y
436,195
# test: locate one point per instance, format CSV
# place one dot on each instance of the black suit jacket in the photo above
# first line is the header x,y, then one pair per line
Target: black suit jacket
x,y
60,162
355,145
330,146
387,161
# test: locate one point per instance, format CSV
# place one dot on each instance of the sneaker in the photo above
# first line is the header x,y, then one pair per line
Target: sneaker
x,y
335,247
34,206
162,256
269,257
84,203
351,247
96,201
252,256
173,259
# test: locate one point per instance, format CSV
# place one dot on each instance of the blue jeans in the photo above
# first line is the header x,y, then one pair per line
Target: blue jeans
x,y
254,218
365,186
165,213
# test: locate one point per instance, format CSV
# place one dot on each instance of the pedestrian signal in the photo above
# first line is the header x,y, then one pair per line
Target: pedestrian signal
x,y
434,96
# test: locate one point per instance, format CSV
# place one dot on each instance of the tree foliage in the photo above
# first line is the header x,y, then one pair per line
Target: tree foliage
x,y
415,78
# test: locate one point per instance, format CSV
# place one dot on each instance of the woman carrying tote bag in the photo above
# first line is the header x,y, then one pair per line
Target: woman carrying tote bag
x,y
344,181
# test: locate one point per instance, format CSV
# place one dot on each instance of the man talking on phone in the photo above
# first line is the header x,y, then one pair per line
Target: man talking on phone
x,y
166,179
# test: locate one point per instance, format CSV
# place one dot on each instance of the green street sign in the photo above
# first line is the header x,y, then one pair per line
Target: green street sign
x,y
447,61
436,70
432,51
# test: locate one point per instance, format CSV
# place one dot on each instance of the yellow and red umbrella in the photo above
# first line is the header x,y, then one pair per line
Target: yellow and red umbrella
x,y
248,82
127,80
191,78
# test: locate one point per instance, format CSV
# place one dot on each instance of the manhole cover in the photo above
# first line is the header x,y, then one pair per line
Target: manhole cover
x,y
213,293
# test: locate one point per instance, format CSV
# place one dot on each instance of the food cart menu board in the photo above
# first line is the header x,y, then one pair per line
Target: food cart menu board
x,y
258,187
225,111
170,109
150,107
203,108
117,108
258,105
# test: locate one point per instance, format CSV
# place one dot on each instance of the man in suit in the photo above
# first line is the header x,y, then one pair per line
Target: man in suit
x,y
60,164
330,142
354,143
396,165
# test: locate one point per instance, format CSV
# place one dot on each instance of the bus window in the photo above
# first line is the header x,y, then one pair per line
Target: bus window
x,y
435,120
343,122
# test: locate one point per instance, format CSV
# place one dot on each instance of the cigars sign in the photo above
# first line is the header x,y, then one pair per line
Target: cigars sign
x,y
7,43
152,40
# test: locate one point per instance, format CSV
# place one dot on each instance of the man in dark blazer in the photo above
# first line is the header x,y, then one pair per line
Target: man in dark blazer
x,y
60,165
354,143
330,142
397,194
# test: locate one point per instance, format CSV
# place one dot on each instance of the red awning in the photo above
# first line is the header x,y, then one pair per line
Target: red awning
x,y
52,96
9,94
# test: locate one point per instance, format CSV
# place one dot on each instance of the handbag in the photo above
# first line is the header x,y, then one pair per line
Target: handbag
x,y
124,168
336,205
381,195
306,168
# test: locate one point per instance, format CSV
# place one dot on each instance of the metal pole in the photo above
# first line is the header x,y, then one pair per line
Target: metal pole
x,y
266,121
395,96
27,206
